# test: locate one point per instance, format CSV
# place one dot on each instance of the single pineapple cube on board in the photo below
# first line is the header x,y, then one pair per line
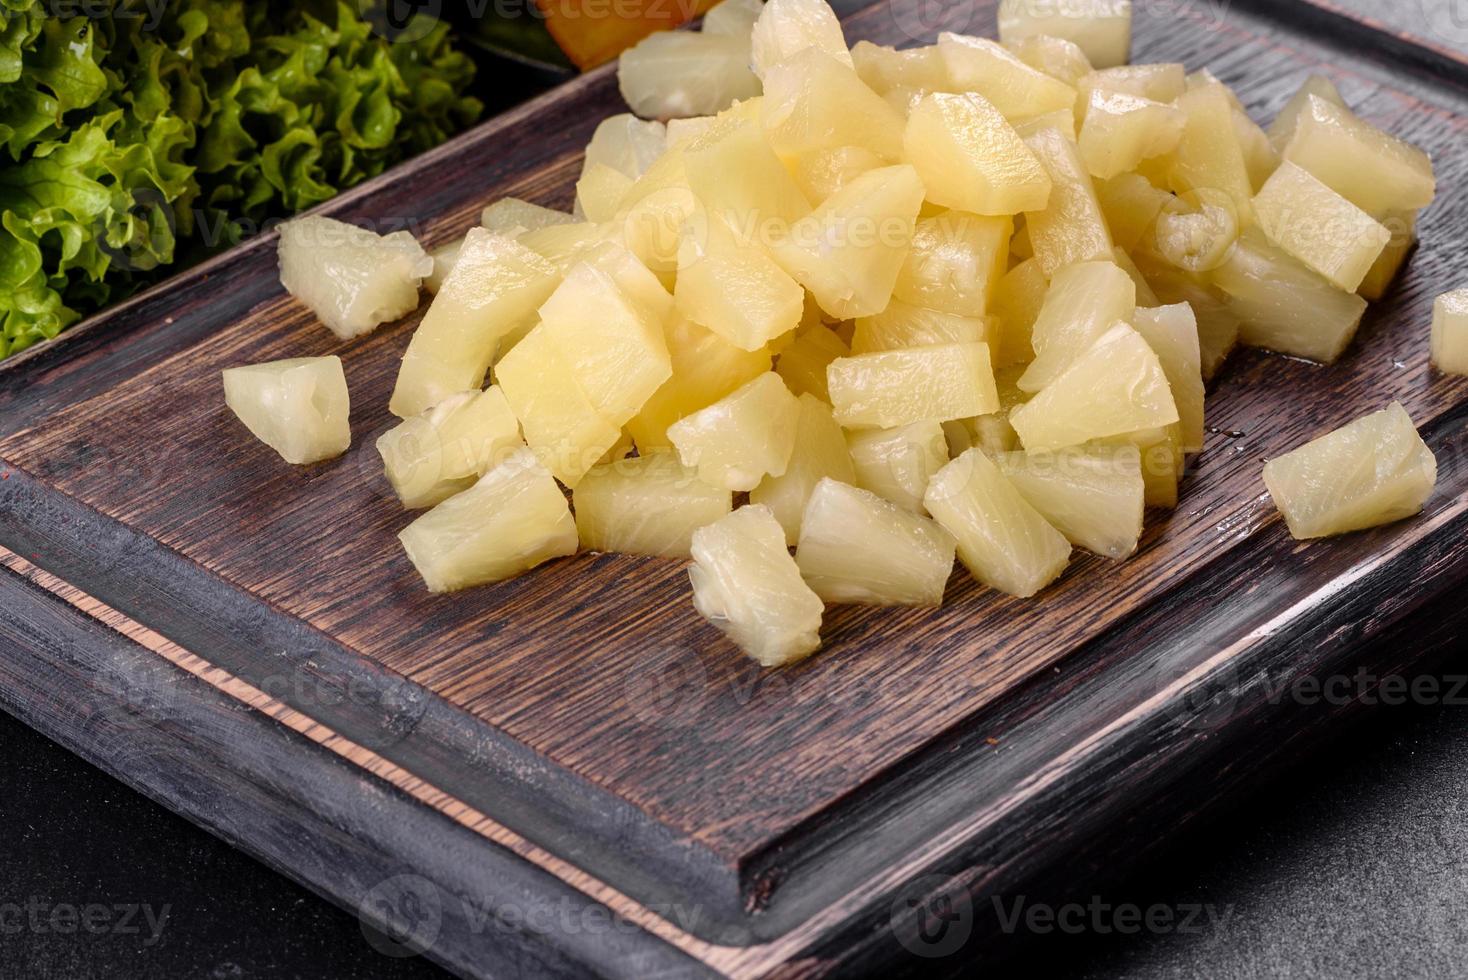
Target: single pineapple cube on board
x,y
1376,172
742,438
896,464
856,547
1316,225
1130,204
512,217
787,27
1057,57
1101,28
351,278
1218,326
1116,388
891,388
494,287
626,144
883,68
1373,471
1284,306
813,101
820,452
1121,131
740,181
1093,495
512,519
1162,82
1018,299
1403,228
1260,156
1172,333
706,367
977,64
902,325
1071,227
672,74
746,584
1163,462
821,172
955,262
736,290
1282,130
732,18
849,250
298,407
1450,332
430,457
1083,302
970,158
444,258
600,191
1002,540
645,505
1209,157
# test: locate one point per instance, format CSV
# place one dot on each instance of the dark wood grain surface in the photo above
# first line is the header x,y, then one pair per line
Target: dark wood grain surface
x,y
588,708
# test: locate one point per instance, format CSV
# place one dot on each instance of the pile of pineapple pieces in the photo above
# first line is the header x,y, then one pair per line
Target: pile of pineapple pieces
x,y
960,300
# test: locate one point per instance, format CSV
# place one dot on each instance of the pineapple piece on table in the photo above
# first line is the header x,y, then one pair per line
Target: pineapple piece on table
x,y
734,18
1260,156
1209,157
896,464
1282,130
803,364
510,216
654,212
1403,228
495,286
1093,495
1316,225
971,159
1117,388
977,64
563,245
813,101
1018,299
706,367
1002,540
1172,333
856,547
298,407
1374,171
1124,262
745,583
1057,57
672,74
820,452
736,290
742,438
740,181
645,505
1120,131
512,519
883,68
1130,204
444,258
626,144
821,172
353,279
902,325
1083,302
600,191
955,263
1100,28
1071,227
430,457
1162,82
785,28
1372,471
1218,326
891,388
1450,332
992,433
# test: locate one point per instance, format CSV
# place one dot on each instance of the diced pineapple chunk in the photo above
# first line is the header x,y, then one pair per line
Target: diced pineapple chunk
x,y
813,102
1055,56
1172,333
626,144
976,64
992,433
1002,540
884,69
563,245
1195,230
896,464
512,519
1101,28
1063,121
820,451
352,279
511,217
857,547
444,258
1117,388
682,73
970,158
1018,300
1071,227
1282,130
741,438
1124,262
955,262
706,367
298,407
732,18
1209,158
823,171
1316,225
1218,326
494,287
849,250
891,388
645,505
736,290
1260,156
1162,82
787,27
1121,131
655,211
1450,332
430,457
746,584
803,364
600,191
1083,302
1373,471
1094,495
1376,172
762,200
1284,306
1130,203
902,325
1403,228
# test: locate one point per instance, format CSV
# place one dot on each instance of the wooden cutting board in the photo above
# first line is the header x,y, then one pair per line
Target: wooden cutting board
x,y
233,634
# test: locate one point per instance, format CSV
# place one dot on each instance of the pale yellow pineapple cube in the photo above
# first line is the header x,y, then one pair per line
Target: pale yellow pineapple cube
x,y
1284,306
1403,228
856,547
955,262
353,279
682,73
825,170
1450,332
1131,203
970,158
1101,28
1061,59
600,191
741,438
444,258
706,367
803,364
891,388
430,457
746,584
1172,333
645,505
1062,121
903,325
1124,262
849,250
1018,299
1218,326
1002,540
563,245
1162,82
740,181
1071,227
1209,157
512,217
1195,230
1163,462
298,407
736,290
1374,171
883,68
992,433
1094,496
896,464
495,286
977,64
1260,156
1120,131
1316,225
626,144
655,210
820,452
1117,388
1373,471
1282,130
1083,302
785,28
733,18
813,101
